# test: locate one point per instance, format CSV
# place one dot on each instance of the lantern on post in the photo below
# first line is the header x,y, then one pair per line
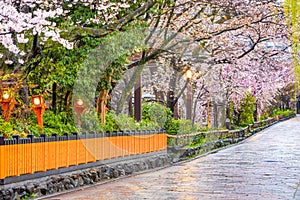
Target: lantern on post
x,y
79,109
38,108
7,102
189,75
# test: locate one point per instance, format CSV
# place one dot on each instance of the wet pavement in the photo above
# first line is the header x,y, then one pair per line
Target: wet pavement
x,y
264,167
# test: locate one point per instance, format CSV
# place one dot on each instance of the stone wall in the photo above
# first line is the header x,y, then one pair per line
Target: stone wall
x,y
70,181
236,136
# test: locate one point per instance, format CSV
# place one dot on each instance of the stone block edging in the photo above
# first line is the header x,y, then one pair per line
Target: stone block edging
x,y
62,183
187,153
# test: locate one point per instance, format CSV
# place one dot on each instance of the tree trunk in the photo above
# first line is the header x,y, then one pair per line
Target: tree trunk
x,y
194,111
102,102
170,102
130,108
138,100
255,114
101,105
67,98
228,110
129,87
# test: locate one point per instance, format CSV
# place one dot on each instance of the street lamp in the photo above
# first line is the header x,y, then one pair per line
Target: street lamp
x,y
189,75
79,108
7,103
38,108
5,95
79,102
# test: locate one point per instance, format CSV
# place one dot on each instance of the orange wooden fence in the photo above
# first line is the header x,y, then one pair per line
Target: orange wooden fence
x,y
29,155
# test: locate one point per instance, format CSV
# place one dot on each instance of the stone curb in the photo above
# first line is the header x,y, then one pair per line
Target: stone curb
x,y
104,182
77,180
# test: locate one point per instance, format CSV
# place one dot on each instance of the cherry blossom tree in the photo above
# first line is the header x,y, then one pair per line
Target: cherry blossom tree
x,y
292,20
235,35
27,21
225,43
30,28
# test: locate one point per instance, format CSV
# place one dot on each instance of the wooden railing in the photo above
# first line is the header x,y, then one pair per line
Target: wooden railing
x,y
38,154
186,139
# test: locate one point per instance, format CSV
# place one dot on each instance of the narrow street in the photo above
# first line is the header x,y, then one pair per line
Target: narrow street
x,y
266,167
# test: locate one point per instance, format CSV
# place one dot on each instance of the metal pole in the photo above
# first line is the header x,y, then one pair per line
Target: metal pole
x,y
189,101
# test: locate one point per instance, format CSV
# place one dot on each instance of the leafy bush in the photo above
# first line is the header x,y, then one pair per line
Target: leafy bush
x,y
125,122
284,113
57,123
6,128
149,125
33,129
180,127
244,115
264,116
172,126
186,127
155,115
90,122
199,140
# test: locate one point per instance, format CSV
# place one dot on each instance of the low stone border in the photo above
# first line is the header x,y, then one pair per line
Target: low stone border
x,y
181,154
70,181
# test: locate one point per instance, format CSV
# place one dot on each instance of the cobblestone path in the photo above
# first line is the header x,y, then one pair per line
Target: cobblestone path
x,y
264,167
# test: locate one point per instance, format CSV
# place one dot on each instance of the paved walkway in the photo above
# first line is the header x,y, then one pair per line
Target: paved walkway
x,y
265,167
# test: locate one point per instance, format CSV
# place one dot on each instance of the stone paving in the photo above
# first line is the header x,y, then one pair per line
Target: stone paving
x,y
264,167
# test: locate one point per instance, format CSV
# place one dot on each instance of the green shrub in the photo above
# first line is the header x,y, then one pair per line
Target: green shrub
x,y
244,115
33,130
155,113
180,127
57,123
186,127
172,126
112,123
149,125
124,122
199,140
284,113
6,128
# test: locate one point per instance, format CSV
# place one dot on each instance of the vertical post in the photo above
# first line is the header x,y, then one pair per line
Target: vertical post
x,y
215,114
189,101
138,100
189,76
39,108
208,114
2,158
7,107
